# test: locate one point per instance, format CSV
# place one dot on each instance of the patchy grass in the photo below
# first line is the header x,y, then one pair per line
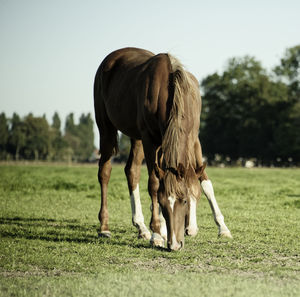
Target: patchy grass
x,y
49,244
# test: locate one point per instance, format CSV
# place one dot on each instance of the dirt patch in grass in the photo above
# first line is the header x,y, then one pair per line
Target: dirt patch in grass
x,y
164,265
36,271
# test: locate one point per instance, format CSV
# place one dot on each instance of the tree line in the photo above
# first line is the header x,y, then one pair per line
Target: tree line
x,y
33,138
248,112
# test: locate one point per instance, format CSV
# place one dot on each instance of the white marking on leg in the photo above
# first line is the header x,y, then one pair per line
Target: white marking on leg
x,y
219,219
163,226
192,228
156,240
172,202
136,208
174,245
137,213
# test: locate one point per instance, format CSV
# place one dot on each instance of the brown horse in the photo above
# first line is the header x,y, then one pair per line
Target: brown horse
x,y
153,100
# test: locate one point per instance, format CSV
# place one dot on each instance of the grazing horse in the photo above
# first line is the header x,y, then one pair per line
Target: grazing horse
x,y
153,100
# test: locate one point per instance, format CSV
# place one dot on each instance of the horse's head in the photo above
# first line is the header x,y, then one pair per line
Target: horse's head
x,y
176,188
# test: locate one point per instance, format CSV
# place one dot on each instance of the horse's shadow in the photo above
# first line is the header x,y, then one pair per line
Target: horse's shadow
x,y
53,230
45,229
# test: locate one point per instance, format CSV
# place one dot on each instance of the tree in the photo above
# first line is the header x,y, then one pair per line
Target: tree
x,y
58,143
56,122
287,134
17,136
80,137
71,137
86,135
70,127
240,111
289,68
3,136
38,139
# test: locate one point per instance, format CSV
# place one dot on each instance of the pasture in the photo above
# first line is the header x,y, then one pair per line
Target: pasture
x,y
49,244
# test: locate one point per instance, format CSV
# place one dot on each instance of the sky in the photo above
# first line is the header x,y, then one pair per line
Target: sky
x,y
50,50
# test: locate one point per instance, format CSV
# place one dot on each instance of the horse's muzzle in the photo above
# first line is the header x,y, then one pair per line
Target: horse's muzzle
x,y
175,246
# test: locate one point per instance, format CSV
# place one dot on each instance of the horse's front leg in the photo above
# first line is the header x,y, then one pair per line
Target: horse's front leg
x,y
192,228
157,223
208,190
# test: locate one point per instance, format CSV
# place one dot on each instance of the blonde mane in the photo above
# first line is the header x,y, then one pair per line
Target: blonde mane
x,y
175,133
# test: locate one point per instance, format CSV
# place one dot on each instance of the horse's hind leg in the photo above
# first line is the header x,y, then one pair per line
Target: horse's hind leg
x,y
108,143
132,171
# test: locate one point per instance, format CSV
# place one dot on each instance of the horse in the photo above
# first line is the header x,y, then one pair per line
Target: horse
x,y
157,103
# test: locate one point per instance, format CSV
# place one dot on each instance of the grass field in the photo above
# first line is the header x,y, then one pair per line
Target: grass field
x,y
49,244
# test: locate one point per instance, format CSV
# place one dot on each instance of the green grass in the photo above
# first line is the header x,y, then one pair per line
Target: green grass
x,y
49,244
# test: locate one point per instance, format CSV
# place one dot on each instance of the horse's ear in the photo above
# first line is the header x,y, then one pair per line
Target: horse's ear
x,y
180,171
199,170
159,172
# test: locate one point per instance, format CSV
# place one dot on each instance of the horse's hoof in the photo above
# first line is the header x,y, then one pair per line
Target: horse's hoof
x,y
104,234
145,235
191,232
225,234
157,241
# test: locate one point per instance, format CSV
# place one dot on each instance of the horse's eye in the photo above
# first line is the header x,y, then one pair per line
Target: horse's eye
x,y
184,201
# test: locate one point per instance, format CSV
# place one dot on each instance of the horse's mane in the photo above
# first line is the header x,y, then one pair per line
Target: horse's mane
x,y
174,134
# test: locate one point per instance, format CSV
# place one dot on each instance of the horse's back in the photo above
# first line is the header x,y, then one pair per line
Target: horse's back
x,y
125,58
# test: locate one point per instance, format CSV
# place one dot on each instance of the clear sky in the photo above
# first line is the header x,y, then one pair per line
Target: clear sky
x,y
50,50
